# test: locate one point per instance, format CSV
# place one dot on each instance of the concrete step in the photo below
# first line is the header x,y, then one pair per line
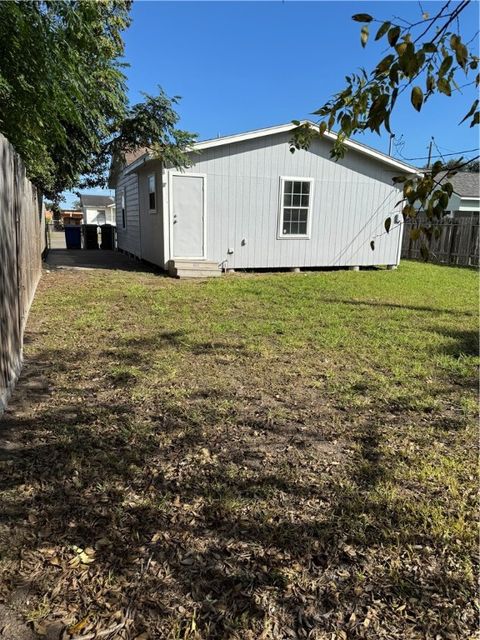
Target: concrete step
x,y
193,268
194,264
194,273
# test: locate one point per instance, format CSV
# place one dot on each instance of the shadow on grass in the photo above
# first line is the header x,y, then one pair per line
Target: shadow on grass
x,y
400,307
291,547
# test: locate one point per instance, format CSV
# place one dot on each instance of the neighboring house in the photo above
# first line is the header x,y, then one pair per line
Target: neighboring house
x,y
71,217
465,200
98,209
249,203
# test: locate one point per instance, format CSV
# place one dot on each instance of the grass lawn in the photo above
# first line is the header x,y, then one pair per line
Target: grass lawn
x,y
251,457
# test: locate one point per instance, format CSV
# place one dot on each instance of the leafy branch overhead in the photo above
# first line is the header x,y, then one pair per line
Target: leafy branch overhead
x,y
424,59
152,124
63,100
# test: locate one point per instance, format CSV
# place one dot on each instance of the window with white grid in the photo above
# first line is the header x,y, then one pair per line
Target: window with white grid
x,y
296,199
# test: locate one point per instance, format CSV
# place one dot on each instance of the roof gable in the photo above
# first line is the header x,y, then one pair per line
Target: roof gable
x,y
328,135
270,131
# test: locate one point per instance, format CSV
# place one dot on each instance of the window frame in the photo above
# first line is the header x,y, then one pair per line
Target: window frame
x,y
123,207
149,193
294,236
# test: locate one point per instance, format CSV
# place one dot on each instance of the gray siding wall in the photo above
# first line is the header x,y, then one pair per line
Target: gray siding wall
x,y
351,200
128,239
151,224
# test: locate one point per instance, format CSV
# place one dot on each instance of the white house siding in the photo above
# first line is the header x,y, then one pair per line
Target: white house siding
x,y
128,239
352,198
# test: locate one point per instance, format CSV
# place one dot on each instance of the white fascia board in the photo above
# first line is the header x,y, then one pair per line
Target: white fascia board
x,y
240,137
469,204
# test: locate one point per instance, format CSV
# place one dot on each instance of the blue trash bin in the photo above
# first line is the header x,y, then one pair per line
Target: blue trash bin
x,y
73,237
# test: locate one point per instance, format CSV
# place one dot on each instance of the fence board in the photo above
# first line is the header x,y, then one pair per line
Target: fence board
x,y
21,246
455,241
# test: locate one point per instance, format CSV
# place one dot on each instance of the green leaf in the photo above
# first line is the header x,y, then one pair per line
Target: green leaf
x,y
364,35
444,86
417,98
429,47
409,211
362,17
383,30
448,188
393,74
384,64
475,120
415,233
393,35
323,127
445,66
388,224
461,54
470,112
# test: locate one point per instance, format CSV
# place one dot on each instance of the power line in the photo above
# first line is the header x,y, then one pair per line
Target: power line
x,y
436,147
445,154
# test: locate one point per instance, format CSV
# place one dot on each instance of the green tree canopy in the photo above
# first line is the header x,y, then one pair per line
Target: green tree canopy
x,y
63,102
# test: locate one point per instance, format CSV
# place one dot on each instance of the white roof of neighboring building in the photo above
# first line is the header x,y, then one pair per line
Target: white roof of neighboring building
x,y
268,131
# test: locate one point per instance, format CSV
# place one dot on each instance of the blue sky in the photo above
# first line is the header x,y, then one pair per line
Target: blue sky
x,y
247,65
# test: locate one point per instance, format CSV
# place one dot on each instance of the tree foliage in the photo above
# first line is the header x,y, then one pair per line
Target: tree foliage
x,y
471,167
424,58
63,102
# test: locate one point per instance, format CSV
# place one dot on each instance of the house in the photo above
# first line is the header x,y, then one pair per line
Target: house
x,y
247,202
71,217
98,209
465,200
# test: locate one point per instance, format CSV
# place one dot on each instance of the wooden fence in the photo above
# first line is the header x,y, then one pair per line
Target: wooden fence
x,y
22,242
454,241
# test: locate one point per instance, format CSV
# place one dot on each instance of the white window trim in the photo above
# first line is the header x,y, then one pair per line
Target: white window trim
x,y
123,207
152,175
290,236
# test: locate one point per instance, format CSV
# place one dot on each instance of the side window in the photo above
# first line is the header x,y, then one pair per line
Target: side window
x,y
295,207
123,208
152,196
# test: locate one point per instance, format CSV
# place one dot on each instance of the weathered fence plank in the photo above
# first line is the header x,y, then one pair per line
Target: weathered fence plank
x,y
21,246
455,241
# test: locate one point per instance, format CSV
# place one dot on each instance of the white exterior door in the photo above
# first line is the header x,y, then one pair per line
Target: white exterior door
x,y
188,215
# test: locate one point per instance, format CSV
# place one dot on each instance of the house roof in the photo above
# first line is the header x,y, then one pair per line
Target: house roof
x,y
95,201
466,184
268,131
328,135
